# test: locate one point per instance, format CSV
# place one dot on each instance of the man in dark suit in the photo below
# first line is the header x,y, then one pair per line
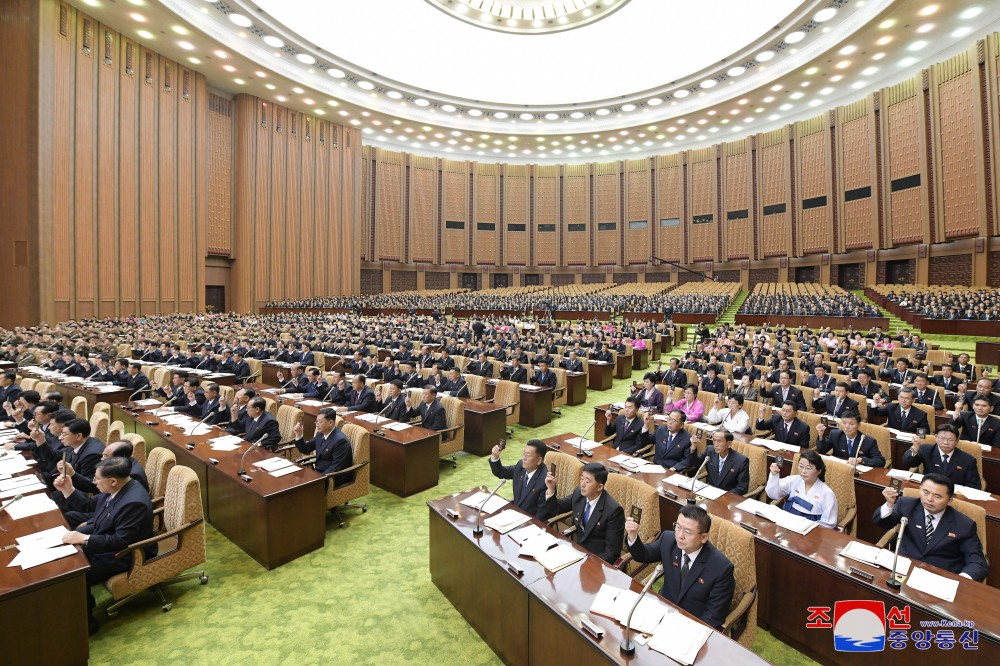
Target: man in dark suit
x,y
193,398
124,449
820,381
483,367
947,379
515,372
213,410
848,443
360,397
572,363
979,425
456,386
671,443
528,475
260,424
625,427
984,387
598,520
783,392
787,426
900,375
945,458
394,405
837,402
83,453
329,445
9,388
937,534
136,379
306,356
901,415
965,367
924,394
240,368
864,385
696,575
121,514
317,387
430,410
727,469
544,376
297,383
175,392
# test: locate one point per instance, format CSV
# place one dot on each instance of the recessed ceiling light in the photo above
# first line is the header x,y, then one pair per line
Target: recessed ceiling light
x,y
239,81
826,91
526,116
135,16
475,113
843,64
392,94
795,37
785,107
187,46
682,93
343,113
744,101
858,85
764,56
906,62
848,50
336,73
886,24
305,59
297,90
812,70
797,95
773,116
145,34
366,85
882,41
502,115
229,68
769,99
273,41
825,14
240,20
868,71
628,107
927,27
736,71
836,78
280,98
961,32
878,56
269,86
971,12
928,10
194,61
917,45
576,115
218,53
92,3
655,101
180,30
333,103
709,83
552,116
259,74
603,112
421,102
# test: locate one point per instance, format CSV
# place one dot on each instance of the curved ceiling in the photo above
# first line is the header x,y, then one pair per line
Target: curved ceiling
x,y
457,59
529,17
818,54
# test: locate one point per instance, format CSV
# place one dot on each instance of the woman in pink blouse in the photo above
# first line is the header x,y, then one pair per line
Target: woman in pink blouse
x,y
692,407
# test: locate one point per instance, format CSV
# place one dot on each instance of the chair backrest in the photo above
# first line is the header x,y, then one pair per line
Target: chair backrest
x,y
972,448
28,384
568,470
929,411
102,407
811,420
738,547
44,387
79,407
359,439
507,393
100,423
181,506
228,394
138,446
862,404
477,386
288,416
116,432
271,406
840,479
454,416
974,511
559,400
161,461
882,437
757,455
629,492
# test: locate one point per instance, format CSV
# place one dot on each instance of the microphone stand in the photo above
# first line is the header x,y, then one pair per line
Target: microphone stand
x,y
156,412
857,453
193,430
694,479
137,393
627,645
243,473
579,442
478,530
892,582
376,431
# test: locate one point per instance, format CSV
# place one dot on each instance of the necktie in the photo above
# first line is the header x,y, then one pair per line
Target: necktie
x,y
685,566
357,398
586,514
929,532
944,462
979,429
850,448
721,463
526,480
670,440
836,409
903,414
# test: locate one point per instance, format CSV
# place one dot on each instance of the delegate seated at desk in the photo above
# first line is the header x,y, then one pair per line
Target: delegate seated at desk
x,y
727,469
330,446
937,533
696,575
848,443
598,520
625,428
671,443
805,493
944,458
528,475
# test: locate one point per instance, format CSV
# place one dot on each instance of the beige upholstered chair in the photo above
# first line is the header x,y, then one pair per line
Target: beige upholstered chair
x,y
568,470
559,393
138,446
629,492
28,384
102,407
812,420
116,432
738,545
973,511
453,436
161,460
340,498
863,404
181,545
757,455
288,416
45,387
840,479
79,407
256,371
99,426
882,437
508,395
477,386
271,406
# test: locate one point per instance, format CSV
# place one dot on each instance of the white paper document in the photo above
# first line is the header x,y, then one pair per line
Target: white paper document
x,y
311,403
26,489
225,446
537,545
965,491
933,584
475,500
778,515
650,468
30,505
703,489
528,531
49,538
225,439
13,466
585,444
505,521
33,557
646,616
395,426
899,434
604,602
680,638
559,557
18,481
148,402
272,464
905,475
774,445
283,471
863,552
861,468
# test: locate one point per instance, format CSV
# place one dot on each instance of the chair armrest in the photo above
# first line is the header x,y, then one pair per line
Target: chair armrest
x,y
347,470
736,620
284,447
848,517
493,399
887,537
138,545
643,451
555,519
606,439
556,393
452,429
754,493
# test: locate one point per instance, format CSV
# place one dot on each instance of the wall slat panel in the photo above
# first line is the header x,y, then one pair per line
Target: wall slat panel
x,y
128,182
388,205
487,219
106,250
576,196
422,239
670,207
307,212
547,216
149,237
775,191
220,174
186,175
736,201
516,215
637,218
856,172
455,198
84,165
904,120
167,183
62,167
292,233
813,196
607,209
702,191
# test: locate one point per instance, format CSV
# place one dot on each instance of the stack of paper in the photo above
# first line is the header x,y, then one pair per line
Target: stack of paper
x,y
507,520
707,427
628,461
933,584
559,557
875,556
49,538
395,426
529,387
371,418
148,402
585,444
33,557
20,485
604,602
680,638
538,544
974,494
311,403
13,465
703,489
30,505
774,445
778,515
861,468
647,614
273,464
475,501
905,475
528,531
899,434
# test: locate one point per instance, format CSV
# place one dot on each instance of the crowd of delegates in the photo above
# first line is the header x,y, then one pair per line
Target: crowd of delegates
x,y
812,305
983,305
595,302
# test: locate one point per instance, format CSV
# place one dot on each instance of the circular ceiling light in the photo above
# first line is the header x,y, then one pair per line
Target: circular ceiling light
x,y
526,116
240,20
392,94
449,108
187,46
366,85
502,115
305,59
682,93
552,116
576,115
709,83
970,13
421,102
336,73
475,113
825,14
603,112
736,71
273,41
848,50
655,101
628,107
795,37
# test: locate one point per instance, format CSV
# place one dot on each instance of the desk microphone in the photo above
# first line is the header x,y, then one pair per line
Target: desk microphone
x,y
243,473
376,431
193,430
857,454
4,507
694,478
137,393
892,582
202,361
478,530
581,453
172,398
66,369
627,645
91,376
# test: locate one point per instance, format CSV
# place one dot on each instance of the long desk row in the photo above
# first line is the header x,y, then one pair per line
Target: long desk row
x,y
534,618
798,572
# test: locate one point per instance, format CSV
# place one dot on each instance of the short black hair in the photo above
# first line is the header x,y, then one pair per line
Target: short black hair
x,y
539,446
49,408
790,403
682,414
31,396
329,414
598,471
941,480
947,427
850,414
79,427
64,416
699,515
258,403
738,397
117,467
633,400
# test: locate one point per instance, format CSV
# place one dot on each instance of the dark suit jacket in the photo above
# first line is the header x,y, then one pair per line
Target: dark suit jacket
x,y
962,467
519,375
218,417
548,379
113,524
459,389
626,439
333,453
482,369
869,391
930,397
573,366
265,425
9,393
949,383
794,394
531,498
397,410
797,432
138,474
894,417
989,434
735,473
706,591
675,378
830,402
837,441
654,403
954,546
363,400
432,417
602,535
135,383
318,391
677,455
84,461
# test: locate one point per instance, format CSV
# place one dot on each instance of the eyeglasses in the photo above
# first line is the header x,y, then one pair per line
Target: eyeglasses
x,y
806,468
685,531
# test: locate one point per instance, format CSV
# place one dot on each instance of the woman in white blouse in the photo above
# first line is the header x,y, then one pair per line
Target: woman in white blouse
x,y
731,417
805,493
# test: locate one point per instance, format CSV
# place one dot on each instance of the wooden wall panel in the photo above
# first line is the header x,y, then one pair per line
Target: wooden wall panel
x,y
516,215
904,147
637,216
547,201
702,174
455,248
487,217
62,127
576,195
389,204
84,175
607,210
737,202
423,208
669,208
775,192
307,208
856,172
106,220
129,253
815,219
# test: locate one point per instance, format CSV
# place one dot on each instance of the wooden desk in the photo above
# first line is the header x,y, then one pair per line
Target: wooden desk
x,y
795,572
623,366
485,425
640,359
54,590
274,520
576,388
988,353
534,618
73,390
536,406
600,375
